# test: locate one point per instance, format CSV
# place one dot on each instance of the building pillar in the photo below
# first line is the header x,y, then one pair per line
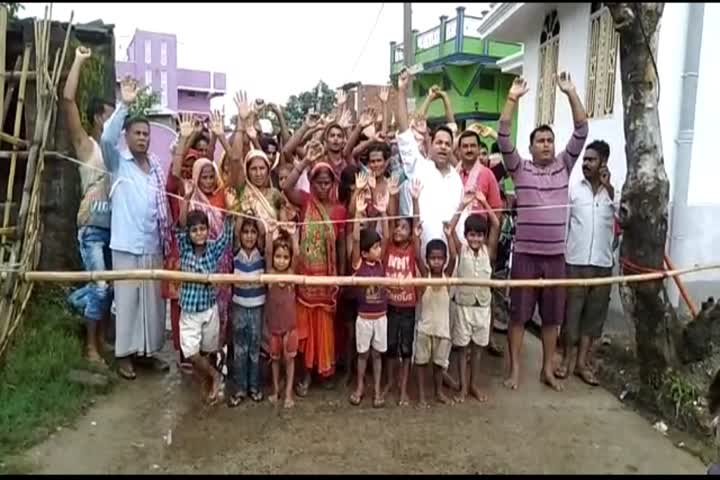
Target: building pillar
x,y
443,23
393,46
460,29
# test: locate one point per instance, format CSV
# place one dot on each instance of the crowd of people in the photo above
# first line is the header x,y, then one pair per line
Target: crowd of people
x,y
382,196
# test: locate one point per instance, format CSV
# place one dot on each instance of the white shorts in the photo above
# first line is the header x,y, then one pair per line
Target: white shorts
x,y
430,347
371,333
471,324
199,332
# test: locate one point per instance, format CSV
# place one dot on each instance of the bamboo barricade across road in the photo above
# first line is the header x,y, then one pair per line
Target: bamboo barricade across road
x,y
351,281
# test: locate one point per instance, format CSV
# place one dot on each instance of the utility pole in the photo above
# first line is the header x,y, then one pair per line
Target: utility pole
x,y
408,48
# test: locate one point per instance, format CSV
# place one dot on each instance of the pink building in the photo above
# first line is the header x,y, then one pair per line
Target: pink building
x,y
152,60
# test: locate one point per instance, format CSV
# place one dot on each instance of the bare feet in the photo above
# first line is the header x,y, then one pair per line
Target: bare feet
x,y
273,398
460,397
562,371
513,380
451,382
548,378
356,396
289,402
477,393
214,395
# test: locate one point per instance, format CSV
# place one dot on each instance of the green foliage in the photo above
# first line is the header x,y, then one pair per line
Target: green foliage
x,y
35,394
91,84
13,8
299,105
144,103
678,390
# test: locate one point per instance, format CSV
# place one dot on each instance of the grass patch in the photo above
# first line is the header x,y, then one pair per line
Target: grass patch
x,y
35,394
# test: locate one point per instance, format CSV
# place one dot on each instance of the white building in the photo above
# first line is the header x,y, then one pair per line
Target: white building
x,y
580,38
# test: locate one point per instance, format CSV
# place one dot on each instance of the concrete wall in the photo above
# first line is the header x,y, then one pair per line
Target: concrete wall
x,y
700,230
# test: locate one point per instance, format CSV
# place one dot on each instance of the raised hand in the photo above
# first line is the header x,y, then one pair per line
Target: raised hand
x,y
290,227
367,117
404,79
382,200
380,137
270,225
384,94
394,185
518,88
447,229
418,230
345,119
564,82
361,181
82,53
360,204
314,151
128,90
435,91
415,188
186,125
340,98
217,123
189,190
251,132
419,124
242,105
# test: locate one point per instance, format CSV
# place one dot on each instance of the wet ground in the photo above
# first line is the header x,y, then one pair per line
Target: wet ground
x,y
157,424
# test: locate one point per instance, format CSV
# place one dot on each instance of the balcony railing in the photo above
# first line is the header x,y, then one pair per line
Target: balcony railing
x,y
441,41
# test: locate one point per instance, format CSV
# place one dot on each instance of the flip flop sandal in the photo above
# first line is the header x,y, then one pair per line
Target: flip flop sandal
x,y
127,374
235,400
256,396
378,403
494,350
561,372
301,390
355,400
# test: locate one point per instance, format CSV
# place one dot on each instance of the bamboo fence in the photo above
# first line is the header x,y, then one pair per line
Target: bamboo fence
x,y
226,278
20,243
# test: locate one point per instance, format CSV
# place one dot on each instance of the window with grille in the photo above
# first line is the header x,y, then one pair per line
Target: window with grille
x,y
148,78
163,89
549,49
602,62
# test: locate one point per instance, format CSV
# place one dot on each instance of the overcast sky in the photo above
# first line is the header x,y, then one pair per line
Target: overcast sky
x,y
272,50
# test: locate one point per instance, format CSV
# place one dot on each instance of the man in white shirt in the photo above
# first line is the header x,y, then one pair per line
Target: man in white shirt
x,y
589,255
442,186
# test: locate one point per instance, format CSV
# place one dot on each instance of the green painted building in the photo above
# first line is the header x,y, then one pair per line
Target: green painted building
x,y
455,58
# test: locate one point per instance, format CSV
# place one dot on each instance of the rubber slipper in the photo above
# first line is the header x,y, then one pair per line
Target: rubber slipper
x,y
588,377
235,400
355,400
127,374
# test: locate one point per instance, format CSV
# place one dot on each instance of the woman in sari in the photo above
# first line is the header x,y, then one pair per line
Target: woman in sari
x,y
322,250
210,197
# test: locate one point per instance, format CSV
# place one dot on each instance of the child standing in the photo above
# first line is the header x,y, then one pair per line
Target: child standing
x,y
247,317
199,317
432,341
371,323
473,322
280,312
400,263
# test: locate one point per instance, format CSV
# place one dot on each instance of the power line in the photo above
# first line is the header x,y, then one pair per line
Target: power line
x,y
367,40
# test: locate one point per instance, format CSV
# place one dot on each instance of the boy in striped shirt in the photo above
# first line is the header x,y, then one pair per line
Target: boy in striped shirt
x,y
540,232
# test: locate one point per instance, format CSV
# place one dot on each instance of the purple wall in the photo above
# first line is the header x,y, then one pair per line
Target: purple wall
x,y
199,103
157,42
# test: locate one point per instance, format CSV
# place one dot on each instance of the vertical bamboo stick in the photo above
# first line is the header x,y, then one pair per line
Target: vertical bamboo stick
x,y
3,37
16,133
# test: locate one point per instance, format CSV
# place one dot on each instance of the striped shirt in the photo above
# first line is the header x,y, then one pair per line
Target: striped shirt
x,y
541,231
248,295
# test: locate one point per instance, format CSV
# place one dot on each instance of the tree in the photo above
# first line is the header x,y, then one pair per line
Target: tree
x,y
299,105
661,340
12,7
144,103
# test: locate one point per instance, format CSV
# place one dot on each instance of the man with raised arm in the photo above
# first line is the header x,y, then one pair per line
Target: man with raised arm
x,y
540,232
93,217
442,187
140,235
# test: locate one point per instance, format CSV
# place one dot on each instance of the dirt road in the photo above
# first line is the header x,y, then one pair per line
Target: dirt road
x,y
533,430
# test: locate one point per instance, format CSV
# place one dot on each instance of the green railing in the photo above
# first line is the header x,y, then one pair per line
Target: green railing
x,y
442,41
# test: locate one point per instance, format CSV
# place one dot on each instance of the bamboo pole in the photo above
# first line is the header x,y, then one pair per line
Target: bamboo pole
x,y
3,40
9,93
16,133
352,281
14,140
